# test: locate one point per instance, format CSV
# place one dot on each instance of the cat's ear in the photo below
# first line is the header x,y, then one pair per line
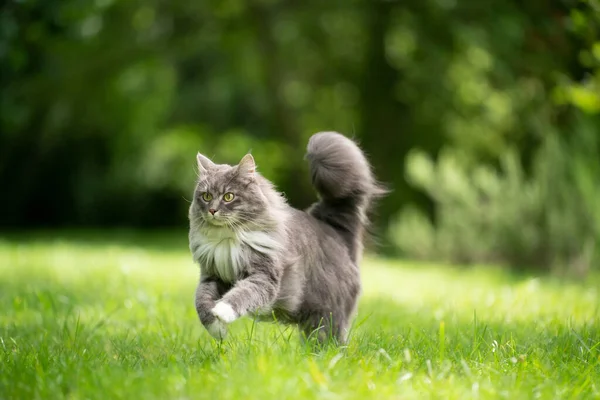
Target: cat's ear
x,y
247,165
204,164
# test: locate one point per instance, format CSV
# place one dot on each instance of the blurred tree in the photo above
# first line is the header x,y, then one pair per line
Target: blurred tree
x,y
104,103
539,213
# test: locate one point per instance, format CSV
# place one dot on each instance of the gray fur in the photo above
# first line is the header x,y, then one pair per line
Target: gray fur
x,y
260,256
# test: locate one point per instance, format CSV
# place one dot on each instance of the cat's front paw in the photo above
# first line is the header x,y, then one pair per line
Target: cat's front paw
x,y
217,329
224,312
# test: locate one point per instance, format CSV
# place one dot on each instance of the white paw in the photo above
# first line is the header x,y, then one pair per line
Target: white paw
x,y
224,312
217,329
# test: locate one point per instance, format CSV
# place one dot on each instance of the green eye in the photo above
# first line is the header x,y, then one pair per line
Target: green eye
x,y
228,197
206,196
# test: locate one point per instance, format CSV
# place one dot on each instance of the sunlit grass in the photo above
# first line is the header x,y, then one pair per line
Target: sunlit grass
x,y
112,316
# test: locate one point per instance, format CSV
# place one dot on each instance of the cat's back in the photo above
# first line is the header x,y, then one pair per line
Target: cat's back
x,y
313,239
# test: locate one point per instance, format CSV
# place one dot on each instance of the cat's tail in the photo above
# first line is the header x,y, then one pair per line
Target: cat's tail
x,y
344,180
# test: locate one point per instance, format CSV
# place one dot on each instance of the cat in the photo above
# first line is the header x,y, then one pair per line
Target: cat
x,y
259,256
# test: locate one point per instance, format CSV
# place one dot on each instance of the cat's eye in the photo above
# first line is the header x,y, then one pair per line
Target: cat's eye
x,y
228,196
206,196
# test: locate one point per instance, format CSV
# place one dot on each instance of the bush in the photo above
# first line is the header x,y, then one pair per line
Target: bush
x,y
548,219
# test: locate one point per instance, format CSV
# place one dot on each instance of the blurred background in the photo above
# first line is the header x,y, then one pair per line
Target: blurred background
x,y
483,117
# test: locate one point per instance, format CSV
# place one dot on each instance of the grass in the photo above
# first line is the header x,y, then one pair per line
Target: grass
x,y
111,316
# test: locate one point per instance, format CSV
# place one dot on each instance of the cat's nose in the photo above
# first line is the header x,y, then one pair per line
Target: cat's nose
x,y
212,211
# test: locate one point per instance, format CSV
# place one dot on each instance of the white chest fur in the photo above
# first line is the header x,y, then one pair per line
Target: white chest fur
x,y
226,253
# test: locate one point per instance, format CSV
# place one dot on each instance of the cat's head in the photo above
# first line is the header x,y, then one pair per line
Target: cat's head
x,y
228,196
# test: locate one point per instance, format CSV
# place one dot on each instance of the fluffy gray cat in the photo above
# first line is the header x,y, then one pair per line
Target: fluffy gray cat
x,y
260,256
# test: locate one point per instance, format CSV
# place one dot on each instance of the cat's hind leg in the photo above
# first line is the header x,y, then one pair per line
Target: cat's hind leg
x,y
325,329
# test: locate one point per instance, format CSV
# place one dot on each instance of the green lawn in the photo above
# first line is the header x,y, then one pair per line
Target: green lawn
x,y
112,316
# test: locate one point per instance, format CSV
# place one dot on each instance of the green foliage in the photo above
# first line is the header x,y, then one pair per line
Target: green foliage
x,y
534,208
111,315
104,104
548,219
585,94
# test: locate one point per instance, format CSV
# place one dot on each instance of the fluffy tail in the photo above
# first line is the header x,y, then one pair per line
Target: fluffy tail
x,y
343,178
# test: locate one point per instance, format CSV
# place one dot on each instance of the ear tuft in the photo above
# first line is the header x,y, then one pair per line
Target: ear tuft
x,y
247,165
204,163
